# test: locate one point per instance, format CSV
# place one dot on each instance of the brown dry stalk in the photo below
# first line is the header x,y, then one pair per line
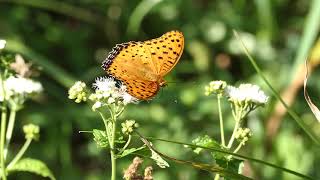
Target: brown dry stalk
x,y
289,94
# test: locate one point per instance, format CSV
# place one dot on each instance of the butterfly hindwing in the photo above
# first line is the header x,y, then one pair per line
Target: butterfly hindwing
x,y
141,89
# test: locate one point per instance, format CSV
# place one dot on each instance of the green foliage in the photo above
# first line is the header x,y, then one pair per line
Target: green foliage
x,y
127,152
69,39
101,138
33,166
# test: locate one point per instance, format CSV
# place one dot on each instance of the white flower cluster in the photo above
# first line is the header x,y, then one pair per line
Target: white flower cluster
x,y
246,93
19,86
107,92
2,44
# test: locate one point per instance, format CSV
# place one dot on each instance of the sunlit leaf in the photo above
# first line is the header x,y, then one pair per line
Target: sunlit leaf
x,y
130,151
101,138
33,166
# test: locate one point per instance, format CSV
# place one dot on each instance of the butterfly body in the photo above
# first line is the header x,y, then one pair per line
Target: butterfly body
x,y
141,66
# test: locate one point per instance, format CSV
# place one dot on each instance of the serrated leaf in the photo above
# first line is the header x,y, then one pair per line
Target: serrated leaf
x,y
101,138
130,151
120,139
33,166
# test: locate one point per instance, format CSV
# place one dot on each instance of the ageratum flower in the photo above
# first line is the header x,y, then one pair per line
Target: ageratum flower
x,y
109,91
246,93
19,87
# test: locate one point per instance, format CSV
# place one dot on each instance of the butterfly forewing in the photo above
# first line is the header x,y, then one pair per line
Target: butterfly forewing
x,y
166,51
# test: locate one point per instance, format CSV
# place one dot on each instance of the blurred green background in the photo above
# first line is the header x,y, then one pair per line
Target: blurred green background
x,y
69,39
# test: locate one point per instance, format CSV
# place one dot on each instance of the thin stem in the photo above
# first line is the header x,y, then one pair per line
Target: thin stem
x,y
112,150
20,153
221,122
126,145
217,177
238,148
12,118
236,126
3,128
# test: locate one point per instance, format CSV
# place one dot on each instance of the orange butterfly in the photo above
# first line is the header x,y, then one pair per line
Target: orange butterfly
x,y
141,66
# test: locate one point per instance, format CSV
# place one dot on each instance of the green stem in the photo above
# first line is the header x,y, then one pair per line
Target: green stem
x,y
3,128
126,145
12,118
112,149
236,126
238,148
291,112
20,153
217,177
221,122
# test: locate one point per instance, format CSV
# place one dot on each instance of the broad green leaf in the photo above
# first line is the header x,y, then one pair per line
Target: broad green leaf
x,y
130,151
205,141
101,138
34,166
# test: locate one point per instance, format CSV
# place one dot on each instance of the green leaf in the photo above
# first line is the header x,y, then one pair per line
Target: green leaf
x,y
34,166
101,138
130,151
120,139
205,141
231,165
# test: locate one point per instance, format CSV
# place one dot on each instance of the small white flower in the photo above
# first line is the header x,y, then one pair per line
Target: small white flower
x,y
96,105
107,91
19,86
104,84
2,43
127,98
247,93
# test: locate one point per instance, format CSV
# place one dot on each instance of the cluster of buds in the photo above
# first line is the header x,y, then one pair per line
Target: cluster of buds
x,y
128,126
215,87
78,92
243,135
31,131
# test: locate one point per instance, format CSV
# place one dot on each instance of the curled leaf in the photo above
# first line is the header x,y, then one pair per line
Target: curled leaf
x,y
315,110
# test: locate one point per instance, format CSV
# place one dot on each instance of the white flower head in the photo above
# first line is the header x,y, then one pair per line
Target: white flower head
x,y
2,44
19,86
109,91
247,93
106,84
